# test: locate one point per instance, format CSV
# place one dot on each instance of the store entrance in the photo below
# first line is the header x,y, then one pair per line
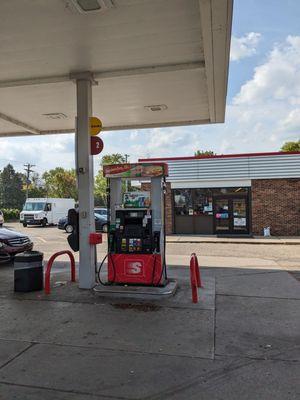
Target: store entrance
x,y
231,215
210,211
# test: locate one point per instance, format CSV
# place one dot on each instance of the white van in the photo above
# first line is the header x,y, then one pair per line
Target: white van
x,y
45,211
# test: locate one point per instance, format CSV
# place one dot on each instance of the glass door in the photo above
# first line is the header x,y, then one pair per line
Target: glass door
x,y
221,215
239,214
231,215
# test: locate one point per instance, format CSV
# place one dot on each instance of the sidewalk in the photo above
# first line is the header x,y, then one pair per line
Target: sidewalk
x,y
287,240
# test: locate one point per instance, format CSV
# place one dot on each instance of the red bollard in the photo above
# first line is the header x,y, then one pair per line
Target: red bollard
x,y
49,266
198,277
193,277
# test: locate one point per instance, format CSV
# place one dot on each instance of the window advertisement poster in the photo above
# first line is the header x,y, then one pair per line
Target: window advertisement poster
x,y
137,200
239,221
208,208
221,215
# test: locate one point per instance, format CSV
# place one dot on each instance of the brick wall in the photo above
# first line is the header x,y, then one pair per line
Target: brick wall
x,y
169,214
168,208
276,203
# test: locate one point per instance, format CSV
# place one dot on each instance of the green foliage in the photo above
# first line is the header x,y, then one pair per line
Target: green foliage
x,y
60,182
37,191
100,190
115,158
36,187
291,146
100,181
11,214
57,182
204,153
11,185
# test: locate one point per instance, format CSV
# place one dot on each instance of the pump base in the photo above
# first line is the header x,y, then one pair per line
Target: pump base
x,y
138,292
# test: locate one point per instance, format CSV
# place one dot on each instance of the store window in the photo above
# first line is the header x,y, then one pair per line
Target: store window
x,y
183,202
203,202
193,202
208,211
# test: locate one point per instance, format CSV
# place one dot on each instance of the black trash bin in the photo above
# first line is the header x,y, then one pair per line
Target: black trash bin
x,y
28,271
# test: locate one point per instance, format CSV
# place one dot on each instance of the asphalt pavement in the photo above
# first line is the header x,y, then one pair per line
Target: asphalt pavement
x,y
211,252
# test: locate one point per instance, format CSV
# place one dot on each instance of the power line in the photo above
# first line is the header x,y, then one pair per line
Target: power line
x,y
28,170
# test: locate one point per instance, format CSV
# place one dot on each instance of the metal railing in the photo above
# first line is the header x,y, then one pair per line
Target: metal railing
x,y
49,266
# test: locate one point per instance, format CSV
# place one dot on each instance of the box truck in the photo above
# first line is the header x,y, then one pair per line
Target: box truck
x,y
45,211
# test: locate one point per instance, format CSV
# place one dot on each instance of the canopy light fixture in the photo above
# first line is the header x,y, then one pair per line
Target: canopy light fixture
x,y
92,6
56,115
156,107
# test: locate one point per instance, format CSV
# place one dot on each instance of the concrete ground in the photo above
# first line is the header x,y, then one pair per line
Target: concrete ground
x,y
241,341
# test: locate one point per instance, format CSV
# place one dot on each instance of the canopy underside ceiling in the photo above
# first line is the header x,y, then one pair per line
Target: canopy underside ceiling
x,y
168,53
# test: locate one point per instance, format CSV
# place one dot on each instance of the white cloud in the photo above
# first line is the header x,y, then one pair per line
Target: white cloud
x,y
277,79
292,122
268,104
244,46
45,152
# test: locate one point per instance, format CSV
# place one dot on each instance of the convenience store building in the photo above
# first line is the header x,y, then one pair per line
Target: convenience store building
x,y
237,194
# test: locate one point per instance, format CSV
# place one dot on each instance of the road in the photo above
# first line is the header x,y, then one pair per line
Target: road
x,y
232,255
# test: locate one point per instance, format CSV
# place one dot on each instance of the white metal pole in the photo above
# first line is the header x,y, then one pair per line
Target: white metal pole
x,y
85,179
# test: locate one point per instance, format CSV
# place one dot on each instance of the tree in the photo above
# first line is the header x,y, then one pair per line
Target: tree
x,y
60,182
100,180
11,185
291,146
204,153
115,158
37,186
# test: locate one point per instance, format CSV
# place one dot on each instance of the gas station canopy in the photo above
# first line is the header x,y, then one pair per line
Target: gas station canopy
x,y
156,62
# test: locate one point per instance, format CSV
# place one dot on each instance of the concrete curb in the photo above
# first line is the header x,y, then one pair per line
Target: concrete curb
x,y
271,242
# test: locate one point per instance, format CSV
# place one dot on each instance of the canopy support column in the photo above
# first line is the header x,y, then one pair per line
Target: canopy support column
x,y
85,180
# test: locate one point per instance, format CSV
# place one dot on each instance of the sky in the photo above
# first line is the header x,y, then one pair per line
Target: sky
x,y
263,101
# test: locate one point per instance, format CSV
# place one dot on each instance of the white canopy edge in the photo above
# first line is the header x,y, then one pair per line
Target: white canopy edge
x,y
216,52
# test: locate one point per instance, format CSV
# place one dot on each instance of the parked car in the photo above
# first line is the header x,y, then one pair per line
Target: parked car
x,y
100,222
12,243
100,211
1,219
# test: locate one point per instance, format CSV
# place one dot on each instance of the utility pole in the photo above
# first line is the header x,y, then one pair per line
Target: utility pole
x,y
126,181
28,170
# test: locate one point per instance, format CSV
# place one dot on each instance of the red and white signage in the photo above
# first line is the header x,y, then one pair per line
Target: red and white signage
x,y
137,170
96,145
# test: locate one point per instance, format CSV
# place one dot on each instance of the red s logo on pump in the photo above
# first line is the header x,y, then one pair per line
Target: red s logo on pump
x,y
134,268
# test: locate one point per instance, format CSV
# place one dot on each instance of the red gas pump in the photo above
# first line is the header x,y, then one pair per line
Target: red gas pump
x,y
136,235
